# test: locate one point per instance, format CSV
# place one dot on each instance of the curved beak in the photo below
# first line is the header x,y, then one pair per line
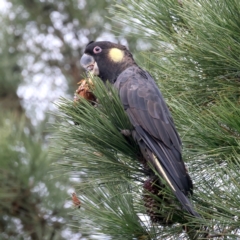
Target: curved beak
x,y
86,61
89,64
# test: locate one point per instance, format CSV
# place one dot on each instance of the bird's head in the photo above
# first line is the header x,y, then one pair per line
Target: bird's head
x,y
106,60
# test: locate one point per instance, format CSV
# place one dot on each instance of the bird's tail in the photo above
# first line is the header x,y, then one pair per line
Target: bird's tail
x,y
169,165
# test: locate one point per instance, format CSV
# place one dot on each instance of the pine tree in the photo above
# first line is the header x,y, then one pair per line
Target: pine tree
x,y
34,199
31,206
195,61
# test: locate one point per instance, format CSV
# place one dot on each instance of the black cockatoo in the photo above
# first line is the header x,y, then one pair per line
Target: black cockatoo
x,y
143,102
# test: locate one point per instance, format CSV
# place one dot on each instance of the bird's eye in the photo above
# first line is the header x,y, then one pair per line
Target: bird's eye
x,y
97,50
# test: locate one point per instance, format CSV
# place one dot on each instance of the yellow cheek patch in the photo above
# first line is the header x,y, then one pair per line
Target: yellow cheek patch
x,y
116,54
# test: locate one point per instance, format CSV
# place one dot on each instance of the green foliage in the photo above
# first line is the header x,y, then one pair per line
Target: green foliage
x,y
105,161
41,43
92,148
31,204
196,64
109,208
103,149
198,41
10,69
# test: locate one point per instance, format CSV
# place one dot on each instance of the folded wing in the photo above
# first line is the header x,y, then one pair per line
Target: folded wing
x,y
153,123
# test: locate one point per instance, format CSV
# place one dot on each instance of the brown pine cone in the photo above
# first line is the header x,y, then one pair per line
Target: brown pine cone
x,y
84,90
152,190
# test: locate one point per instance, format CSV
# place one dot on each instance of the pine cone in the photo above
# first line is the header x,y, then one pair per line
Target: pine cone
x,y
75,200
84,90
152,190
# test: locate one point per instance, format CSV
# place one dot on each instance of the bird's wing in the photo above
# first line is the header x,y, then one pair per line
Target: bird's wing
x,y
152,121
141,96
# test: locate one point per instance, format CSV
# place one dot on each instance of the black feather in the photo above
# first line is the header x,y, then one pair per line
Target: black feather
x,y
154,128
153,123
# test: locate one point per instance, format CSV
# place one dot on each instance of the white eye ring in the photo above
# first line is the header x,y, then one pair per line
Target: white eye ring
x,y
97,50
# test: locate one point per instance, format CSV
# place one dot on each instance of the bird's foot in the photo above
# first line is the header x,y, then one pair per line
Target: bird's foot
x,y
126,132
